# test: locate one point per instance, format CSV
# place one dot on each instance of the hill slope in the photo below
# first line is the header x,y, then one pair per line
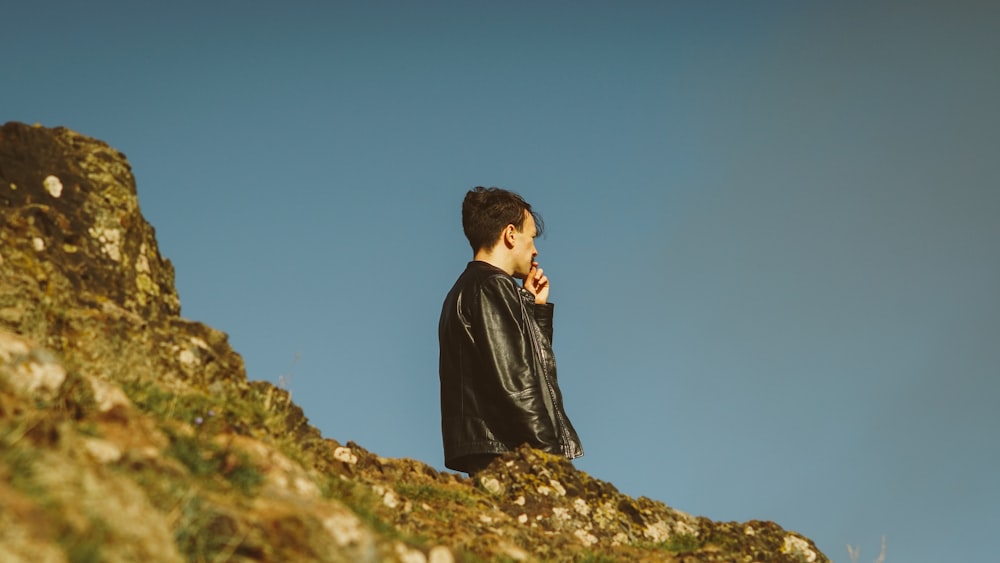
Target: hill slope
x,y
128,433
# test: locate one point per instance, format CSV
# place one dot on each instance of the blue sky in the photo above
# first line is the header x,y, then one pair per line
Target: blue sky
x,y
772,227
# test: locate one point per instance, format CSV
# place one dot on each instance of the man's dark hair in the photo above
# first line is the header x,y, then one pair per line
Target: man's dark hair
x,y
487,211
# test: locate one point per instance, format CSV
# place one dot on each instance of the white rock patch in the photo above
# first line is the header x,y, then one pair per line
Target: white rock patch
x,y
102,451
657,532
53,185
107,396
344,527
798,547
110,240
345,455
490,484
585,537
409,555
557,486
142,264
32,373
440,554
187,357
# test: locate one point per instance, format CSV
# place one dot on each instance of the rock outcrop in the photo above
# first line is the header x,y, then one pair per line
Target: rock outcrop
x,y
128,433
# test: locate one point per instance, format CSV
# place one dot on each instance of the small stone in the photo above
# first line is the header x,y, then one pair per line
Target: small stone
x,y
685,528
107,395
345,528
557,486
409,555
390,499
38,243
440,554
110,240
187,357
798,547
657,531
53,185
102,451
491,484
38,374
142,264
585,537
345,455
304,487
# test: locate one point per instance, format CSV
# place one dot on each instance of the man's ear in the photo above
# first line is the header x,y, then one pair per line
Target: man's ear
x,y
508,235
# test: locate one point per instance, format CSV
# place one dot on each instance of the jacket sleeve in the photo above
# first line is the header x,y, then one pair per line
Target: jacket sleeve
x,y
521,415
543,316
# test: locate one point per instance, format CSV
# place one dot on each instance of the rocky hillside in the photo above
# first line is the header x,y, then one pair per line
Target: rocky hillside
x,y
128,433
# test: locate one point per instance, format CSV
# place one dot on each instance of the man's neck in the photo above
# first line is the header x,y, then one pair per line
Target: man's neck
x,y
493,259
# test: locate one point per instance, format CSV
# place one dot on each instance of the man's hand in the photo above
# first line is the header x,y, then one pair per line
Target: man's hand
x,y
537,284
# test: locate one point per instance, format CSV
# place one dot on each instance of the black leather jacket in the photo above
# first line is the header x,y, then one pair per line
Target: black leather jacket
x,y
497,371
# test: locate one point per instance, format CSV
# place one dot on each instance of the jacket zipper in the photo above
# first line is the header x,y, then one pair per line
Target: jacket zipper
x,y
534,333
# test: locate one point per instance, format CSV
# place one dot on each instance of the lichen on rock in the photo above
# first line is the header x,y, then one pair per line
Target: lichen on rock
x,y
75,198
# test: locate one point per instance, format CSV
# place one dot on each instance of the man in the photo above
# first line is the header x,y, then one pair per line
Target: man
x,y
497,370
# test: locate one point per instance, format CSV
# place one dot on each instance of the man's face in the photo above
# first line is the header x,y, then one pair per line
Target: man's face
x,y
524,247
